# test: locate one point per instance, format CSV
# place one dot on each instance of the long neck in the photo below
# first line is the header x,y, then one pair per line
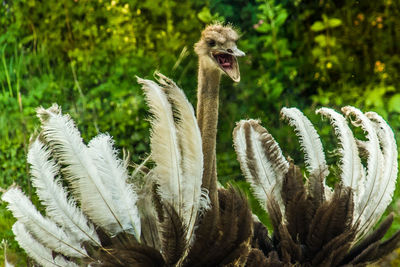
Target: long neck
x,y
207,118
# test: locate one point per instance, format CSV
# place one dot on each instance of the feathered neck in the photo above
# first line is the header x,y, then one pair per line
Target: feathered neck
x,y
207,118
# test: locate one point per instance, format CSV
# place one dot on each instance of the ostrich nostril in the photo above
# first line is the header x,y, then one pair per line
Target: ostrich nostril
x,y
229,50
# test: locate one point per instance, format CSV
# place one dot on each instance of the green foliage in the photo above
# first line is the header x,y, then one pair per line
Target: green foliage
x,y
84,55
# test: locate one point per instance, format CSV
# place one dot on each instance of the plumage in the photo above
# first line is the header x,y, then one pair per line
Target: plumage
x,y
164,145
375,166
390,169
352,171
114,175
59,208
42,228
189,140
309,140
36,250
315,230
82,173
261,160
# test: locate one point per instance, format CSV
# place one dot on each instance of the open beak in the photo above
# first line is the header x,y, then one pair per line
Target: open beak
x,y
227,61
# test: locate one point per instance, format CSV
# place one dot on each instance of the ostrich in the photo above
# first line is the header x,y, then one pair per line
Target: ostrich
x,y
313,225
173,215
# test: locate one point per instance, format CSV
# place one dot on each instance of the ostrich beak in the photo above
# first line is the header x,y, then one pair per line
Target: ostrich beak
x,y
227,61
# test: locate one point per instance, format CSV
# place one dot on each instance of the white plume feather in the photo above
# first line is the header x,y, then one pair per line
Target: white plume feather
x,y
37,251
310,143
190,144
353,173
373,180
165,146
59,208
114,175
263,169
45,230
383,196
95,198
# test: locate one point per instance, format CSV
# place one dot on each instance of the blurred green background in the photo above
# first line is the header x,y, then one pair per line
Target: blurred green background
x,y
84,55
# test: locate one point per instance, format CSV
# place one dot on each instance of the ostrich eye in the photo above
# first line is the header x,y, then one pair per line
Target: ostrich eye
x,y
211,43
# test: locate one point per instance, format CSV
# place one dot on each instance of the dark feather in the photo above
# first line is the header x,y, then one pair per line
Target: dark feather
x,y
389,245
289,250
173,236
274,214
125,251
270,147
230,243
292,184
274,261
366,255
331,219
157,202
260,239
298,206
316,188
373,237
256,258
335,250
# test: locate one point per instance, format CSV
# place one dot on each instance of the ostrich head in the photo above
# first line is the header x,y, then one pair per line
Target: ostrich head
x,y
217,50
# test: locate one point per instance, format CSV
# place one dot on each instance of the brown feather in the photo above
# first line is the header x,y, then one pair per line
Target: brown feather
x,y
316,188
297,205
389,245
292,184
173,236
274,214
290,251
331,219
125,251
256,258
230,242
260,239
334,249
274,261
271,148
373,237
366,255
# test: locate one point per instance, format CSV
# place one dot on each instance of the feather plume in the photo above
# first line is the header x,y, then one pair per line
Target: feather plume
x,y
148,203
123,250
165,146
310,144
95,198
37,251
114,175
309,140
45,230
373,180
189,139
373,237
59,208
173,236
261,160
383,197
353,172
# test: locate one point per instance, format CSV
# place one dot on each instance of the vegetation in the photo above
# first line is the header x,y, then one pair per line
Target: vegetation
x,y
84,55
